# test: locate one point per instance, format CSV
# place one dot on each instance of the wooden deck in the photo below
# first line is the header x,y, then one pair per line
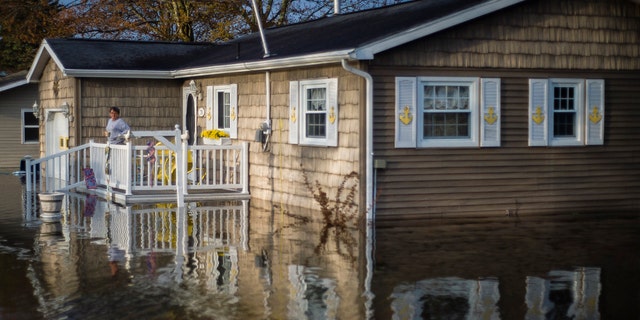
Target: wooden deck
x,y
120,197
158,171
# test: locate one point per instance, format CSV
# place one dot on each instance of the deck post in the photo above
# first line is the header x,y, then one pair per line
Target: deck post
x,y
27,169
180,167
129,171
185,163
245,167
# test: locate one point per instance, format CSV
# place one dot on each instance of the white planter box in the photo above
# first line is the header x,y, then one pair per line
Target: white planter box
x,y
217,142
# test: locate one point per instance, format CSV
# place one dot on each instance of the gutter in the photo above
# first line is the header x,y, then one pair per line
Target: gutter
x,y
262,65
13,85
369,137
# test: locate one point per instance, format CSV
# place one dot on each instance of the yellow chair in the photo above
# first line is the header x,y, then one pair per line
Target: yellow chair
x,y
166,172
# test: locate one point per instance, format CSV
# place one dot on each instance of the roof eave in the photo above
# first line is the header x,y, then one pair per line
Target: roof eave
x,y
270,64
13,85
39,62
137,74
368,51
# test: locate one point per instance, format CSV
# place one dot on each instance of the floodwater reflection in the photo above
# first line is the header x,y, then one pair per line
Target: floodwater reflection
x,y
562,267
253,260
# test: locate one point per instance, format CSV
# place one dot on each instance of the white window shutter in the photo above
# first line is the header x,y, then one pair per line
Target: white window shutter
x,y
490,116
210,109
405,115
538,112
332,112
233,112
594,110
294,112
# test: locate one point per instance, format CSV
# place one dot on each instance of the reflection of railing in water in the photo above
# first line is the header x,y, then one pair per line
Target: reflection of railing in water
x,y
207,227
156,227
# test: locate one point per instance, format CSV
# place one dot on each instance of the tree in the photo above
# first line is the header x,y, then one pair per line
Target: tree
x,y
168,20
24,23
188,20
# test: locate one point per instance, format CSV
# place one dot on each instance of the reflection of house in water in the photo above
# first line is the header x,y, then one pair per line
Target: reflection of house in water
x,y
570,294
447,298
201,259
561,295
313,297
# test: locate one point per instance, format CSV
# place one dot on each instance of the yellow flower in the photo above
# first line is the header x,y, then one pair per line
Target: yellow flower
x,y
214,134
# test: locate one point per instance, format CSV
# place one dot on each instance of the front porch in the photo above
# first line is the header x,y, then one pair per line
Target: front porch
x,y
148,168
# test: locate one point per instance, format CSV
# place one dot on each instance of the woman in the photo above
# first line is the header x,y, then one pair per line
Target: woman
x,y
116,127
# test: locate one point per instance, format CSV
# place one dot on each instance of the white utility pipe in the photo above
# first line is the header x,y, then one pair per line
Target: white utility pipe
x,y
267,80
259,21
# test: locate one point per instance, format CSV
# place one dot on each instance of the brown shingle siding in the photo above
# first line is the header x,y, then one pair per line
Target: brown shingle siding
x,y
562,34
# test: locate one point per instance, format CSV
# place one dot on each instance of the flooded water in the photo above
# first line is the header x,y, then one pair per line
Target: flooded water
x,y
249,260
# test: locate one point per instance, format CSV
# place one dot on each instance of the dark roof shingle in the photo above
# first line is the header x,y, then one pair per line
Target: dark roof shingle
x,y
333,33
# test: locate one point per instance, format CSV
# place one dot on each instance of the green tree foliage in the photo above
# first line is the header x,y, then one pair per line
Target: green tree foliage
x,y
24,23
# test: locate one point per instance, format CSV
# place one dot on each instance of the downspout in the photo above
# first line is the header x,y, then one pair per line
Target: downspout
x,y
369,136
370,223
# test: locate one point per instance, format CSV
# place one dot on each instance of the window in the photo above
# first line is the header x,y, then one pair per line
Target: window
x,y
30,127
447,112
566,112
313,112
222,107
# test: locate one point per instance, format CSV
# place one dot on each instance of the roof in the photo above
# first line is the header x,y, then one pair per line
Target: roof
x,y
13,80
355,36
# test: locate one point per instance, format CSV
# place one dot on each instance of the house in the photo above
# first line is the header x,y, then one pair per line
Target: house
x,y
422,109
18,126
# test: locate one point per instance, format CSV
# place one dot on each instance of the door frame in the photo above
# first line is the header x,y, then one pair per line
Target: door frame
x,y
188,95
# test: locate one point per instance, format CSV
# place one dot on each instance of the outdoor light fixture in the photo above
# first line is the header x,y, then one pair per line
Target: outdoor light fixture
x,y
36,110
195,90
65,108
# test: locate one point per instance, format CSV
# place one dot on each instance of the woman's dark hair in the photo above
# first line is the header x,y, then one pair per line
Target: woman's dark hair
x,y
115,109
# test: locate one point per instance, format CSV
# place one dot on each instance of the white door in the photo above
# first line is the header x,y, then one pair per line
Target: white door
x,y
56,140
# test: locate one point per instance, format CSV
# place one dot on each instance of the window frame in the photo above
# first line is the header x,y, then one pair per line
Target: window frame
x,y
589,113
578,138
222,109
24,127
213,106
298,126
473,111
304,100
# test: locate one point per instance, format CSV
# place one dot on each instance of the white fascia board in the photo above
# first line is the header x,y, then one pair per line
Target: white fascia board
x,y
314,59
39,62
368,51
291,62
13,85
137,74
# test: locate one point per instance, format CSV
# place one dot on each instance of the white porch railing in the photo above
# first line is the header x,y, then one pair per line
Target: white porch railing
x,y
176,166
